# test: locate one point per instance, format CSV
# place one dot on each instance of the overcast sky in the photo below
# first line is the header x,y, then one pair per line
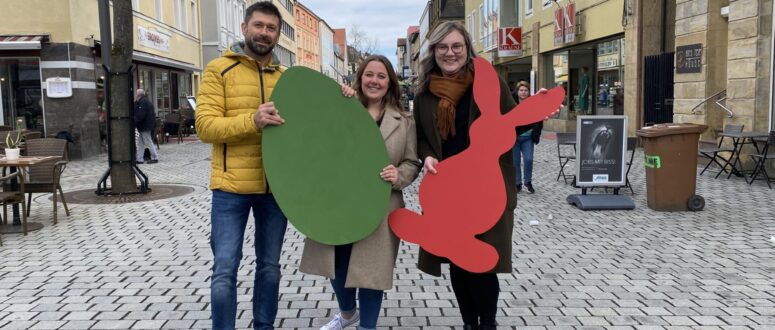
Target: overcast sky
x,y
385,20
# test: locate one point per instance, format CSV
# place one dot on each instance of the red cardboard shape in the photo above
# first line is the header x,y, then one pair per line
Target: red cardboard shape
x,y
468,195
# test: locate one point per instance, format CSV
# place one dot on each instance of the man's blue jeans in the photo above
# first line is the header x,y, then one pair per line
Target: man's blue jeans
x,y
523,152
229,218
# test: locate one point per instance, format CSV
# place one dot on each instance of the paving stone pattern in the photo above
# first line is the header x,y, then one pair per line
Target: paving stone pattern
x,y
147,265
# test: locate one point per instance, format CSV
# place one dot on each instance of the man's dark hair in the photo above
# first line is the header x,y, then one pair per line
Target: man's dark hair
x,y
266,7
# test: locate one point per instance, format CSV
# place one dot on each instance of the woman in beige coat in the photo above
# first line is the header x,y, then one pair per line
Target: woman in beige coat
x,y
365,268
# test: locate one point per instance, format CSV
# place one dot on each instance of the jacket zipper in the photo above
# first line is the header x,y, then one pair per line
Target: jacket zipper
x,y
224,157
261,81
263,100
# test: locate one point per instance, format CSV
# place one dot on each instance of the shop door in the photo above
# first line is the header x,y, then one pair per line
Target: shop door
x,y
658,94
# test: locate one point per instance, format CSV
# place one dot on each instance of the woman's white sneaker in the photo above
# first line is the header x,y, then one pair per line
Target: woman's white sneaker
x,y
339,322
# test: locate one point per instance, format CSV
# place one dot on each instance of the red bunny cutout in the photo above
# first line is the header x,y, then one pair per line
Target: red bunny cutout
x,y
467,196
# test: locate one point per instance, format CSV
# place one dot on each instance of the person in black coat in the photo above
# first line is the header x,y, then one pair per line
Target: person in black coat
x,y
145,120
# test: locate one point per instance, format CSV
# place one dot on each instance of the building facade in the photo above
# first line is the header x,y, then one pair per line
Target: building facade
x,y
286,47
327,52
221,26
401,58
425,31
63,51
445,10
568,44
340,50
307,37
413,52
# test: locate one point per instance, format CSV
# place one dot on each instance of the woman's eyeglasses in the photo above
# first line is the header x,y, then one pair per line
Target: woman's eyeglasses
x,y
456,48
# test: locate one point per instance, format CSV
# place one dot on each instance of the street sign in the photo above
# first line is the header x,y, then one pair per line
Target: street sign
x,y
510,41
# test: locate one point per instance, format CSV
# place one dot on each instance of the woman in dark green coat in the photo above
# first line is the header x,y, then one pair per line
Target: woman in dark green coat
x,y
444,109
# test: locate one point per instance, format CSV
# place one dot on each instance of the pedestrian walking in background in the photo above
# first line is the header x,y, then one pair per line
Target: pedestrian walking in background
x,y
233,108
523,149
361,271
145,122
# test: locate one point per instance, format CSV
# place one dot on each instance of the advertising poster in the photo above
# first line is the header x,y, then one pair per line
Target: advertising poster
x,y
601,147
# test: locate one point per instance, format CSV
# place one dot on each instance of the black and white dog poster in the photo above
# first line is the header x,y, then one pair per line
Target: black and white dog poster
x,y
601,146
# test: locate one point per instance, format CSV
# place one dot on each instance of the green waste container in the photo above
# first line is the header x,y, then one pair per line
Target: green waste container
x,y
670,152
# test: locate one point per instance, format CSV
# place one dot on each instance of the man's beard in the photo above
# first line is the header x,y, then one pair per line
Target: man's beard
x,y
258,49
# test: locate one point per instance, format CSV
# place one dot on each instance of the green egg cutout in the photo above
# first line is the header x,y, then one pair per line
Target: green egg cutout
x,y
323,164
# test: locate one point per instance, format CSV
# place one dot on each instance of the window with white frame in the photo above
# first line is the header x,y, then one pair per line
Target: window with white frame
x,y
528,8
159,11
180,20
480,26
470,21
194,20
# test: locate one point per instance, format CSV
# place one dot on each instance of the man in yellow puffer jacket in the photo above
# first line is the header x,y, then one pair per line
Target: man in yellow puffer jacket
x,y
232,109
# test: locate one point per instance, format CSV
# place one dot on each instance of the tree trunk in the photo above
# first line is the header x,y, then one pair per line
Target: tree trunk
x,y
122,176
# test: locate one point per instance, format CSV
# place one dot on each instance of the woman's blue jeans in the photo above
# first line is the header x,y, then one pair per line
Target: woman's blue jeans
x,y
228,220
370,300
523,152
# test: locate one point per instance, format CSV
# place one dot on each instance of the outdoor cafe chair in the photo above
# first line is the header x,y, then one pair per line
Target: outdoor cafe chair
x,y
8,196
44,177
173,125
712,153
564,154
632,143
187,121
768,153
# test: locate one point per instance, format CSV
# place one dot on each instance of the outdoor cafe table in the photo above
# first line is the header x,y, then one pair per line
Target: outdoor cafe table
x,y
22,163
740,139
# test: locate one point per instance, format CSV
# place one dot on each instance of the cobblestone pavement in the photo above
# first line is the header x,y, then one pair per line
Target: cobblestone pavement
x,y
147,265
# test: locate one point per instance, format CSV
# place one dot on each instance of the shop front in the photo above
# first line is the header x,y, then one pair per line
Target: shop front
x,y
21,97
21,102
592,75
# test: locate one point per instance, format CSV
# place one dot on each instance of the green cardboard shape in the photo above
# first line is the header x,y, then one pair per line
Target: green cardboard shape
x,y
323,164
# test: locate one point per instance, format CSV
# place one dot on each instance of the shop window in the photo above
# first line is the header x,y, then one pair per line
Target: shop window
x,y
21,98
557,75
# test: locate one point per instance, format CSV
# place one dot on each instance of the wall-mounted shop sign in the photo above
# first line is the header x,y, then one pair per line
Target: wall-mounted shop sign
x,y
153,39
688,58
607,61
565,27
558,28
59,87
569,20
510,41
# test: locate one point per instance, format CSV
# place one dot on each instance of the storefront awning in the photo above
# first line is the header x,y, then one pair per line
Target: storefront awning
x,y
21,42
153,59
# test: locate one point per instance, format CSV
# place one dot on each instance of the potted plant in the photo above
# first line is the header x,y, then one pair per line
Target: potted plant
x,y
12,145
